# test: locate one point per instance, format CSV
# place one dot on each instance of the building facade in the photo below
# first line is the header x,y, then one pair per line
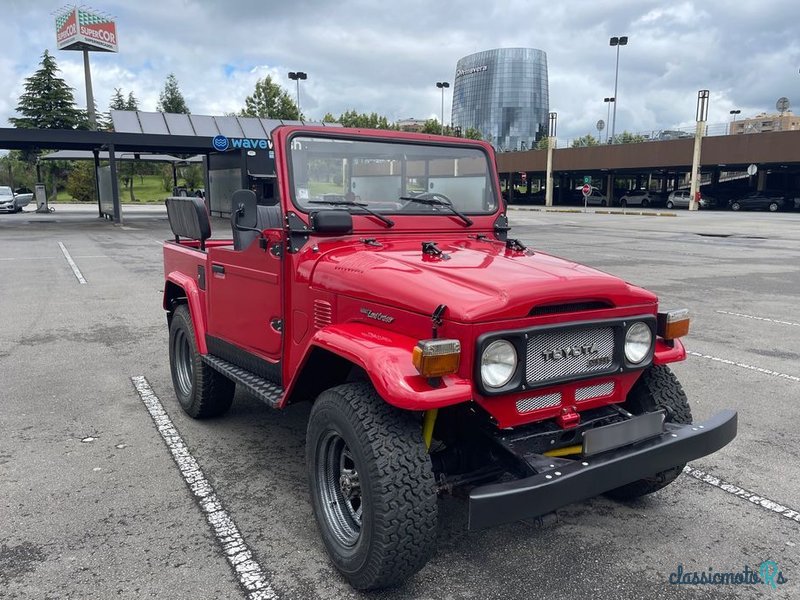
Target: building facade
x,y
504,94
764,122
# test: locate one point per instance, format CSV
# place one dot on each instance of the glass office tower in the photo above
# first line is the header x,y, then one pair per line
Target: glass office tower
x,y
503,93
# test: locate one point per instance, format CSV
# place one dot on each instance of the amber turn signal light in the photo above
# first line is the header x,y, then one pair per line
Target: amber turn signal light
x,y
434,358
673,324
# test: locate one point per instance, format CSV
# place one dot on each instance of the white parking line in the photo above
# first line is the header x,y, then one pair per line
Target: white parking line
x,y
743,493
72,264
735,314
248,571
746,366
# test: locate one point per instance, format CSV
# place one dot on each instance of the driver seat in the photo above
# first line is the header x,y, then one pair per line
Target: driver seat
x,y
268,217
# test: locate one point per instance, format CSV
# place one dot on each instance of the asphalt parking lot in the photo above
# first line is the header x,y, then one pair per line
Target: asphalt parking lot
x,y
92,504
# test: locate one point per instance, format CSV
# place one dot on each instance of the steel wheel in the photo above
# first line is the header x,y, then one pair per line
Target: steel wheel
x,y
184,368
340,488
670,204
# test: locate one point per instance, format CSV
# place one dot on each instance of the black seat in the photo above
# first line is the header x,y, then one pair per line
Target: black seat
x,y
188,218
268,217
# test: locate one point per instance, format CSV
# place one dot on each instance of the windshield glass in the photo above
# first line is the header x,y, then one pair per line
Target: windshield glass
x,y
5,190
383,176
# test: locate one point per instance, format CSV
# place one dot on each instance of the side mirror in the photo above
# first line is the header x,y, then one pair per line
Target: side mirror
x,y
332,221
245,206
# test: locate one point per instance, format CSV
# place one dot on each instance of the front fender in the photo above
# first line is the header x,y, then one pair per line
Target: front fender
x,y
666,353
386,358
189,286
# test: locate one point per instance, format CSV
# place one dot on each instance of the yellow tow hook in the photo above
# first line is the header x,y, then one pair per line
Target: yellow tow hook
x,y
565,451
427,426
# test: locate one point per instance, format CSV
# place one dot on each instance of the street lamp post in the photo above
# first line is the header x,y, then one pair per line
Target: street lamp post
x,y
442,85
297,76
608,101
734,113
616,41
551,141
702,117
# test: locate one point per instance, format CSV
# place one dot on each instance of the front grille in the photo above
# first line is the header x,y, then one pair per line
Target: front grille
x,y
569,352
525,405
594,391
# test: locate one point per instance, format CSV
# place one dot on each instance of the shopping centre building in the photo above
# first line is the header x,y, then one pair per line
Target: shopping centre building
x,y
503,93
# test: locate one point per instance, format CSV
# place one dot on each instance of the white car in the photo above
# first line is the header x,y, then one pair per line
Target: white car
x,y
11,202
596,198
641,198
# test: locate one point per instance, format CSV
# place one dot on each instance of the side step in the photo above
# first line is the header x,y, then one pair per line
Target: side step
x,y
259,387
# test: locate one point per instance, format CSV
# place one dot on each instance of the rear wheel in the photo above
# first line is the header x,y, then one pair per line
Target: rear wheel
x,y
656,389
645,203
372,486
735,206
773,207
670,205
603,203
623,203
201,391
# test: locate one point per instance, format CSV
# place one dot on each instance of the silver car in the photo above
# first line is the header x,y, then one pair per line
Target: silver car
x,y
11,202
680,199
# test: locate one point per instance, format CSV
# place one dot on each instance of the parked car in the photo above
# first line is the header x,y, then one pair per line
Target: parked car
x,y
680,199
11,201
771,201
596,198
641,198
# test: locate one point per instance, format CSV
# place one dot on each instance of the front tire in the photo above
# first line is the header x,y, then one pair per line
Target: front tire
x,y
670,205
623,203
736,206
656,389
372,486
645,203
202,392
773,207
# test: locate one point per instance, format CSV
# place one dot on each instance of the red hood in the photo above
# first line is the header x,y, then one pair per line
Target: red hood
x,y
480,281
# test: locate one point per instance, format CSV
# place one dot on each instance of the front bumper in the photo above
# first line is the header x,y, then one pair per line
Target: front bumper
x,y
573,481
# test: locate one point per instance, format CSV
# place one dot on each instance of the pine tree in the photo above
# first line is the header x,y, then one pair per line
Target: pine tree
x,y
48,102
270,101
117,100
171,99
133,103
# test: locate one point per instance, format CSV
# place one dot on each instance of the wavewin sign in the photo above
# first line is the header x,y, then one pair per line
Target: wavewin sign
x,y
222,143
79,29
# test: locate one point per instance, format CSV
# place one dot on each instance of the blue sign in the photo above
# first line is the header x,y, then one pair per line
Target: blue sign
x,y
220,143
223,143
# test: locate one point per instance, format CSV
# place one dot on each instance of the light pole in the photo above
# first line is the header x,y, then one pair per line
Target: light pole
x,y
551,140
442,85
616,41
297,76
608,101
734,113
701,116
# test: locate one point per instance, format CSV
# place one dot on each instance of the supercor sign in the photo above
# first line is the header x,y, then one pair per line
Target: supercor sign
x,y
80,29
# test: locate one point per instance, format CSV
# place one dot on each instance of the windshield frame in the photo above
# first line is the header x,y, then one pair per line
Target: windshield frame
x,y
356,136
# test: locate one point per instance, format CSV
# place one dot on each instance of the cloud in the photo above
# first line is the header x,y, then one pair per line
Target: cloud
x,y
364,56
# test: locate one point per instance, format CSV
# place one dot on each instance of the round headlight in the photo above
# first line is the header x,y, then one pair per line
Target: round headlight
x,y
498,363
638,340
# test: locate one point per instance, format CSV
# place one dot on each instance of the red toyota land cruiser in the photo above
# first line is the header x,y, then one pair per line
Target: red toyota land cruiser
x,y
381,285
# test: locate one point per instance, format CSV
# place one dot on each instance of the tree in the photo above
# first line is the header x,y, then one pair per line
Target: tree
x,y
627,137
329,118
171,99
117,100
543,143
48,102
351,118
133,104
584,141
473,134
80,182
432,126
270,101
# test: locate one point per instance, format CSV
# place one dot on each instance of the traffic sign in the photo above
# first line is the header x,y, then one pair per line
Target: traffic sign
x,y
587,179
752,169
586,189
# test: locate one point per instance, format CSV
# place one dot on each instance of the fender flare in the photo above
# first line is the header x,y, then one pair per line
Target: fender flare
x,y
189,286
668,353
385,356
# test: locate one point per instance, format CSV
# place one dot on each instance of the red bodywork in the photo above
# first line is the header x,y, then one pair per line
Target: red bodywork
x,y
321,294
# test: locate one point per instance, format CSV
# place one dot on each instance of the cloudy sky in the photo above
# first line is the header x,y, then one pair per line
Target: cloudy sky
x,y
386,57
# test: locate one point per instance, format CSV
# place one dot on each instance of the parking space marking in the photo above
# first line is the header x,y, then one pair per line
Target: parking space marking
x,y
72,264
746,366
248,571
735,314
744,494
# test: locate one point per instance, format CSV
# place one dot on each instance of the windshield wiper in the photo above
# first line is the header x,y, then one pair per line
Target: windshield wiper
x,y
388,222
432,201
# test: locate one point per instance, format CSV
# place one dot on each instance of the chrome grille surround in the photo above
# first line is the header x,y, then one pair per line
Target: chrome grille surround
x,y
525,405
540,368
594,391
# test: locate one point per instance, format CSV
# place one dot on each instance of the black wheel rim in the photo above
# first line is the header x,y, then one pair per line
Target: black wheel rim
x,y
184,368
339,489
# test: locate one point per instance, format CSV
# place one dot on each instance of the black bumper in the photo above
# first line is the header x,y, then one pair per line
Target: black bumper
x,y
581,479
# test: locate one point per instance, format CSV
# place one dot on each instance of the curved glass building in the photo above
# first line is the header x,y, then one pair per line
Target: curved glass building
x,y
503,93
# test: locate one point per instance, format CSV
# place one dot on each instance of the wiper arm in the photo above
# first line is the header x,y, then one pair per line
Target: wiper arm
x,y
431,200
388,222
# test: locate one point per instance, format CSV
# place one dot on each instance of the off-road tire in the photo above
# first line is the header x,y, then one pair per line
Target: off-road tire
x,y
397,532
656,389
202,392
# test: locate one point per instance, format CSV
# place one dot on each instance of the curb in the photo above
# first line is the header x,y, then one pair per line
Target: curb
x,y
637,213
